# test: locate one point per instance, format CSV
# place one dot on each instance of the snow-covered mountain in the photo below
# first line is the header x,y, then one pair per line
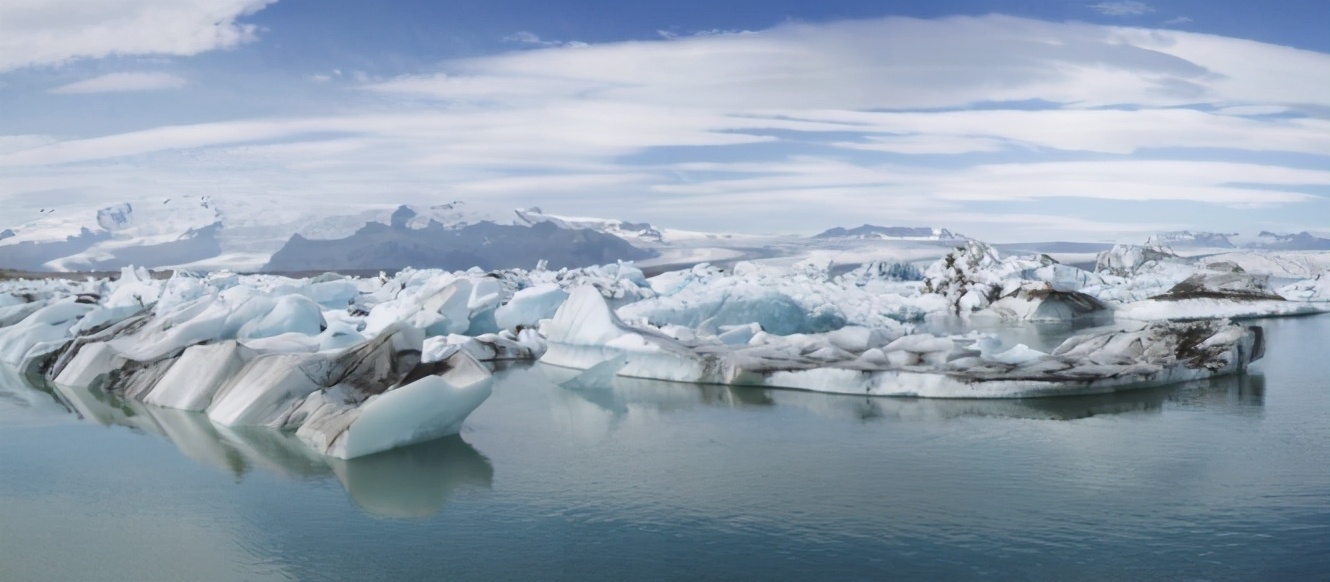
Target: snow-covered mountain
x,y
1302,241
406,242
632,231
253,233
1186,239
167,232
873,232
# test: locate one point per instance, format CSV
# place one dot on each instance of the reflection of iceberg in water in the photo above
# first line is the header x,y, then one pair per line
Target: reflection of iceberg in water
x,y
622,394
1244,392
17,396
616,394
416,480
412,481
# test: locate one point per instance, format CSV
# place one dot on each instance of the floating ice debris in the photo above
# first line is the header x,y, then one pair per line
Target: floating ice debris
x,y
1317,289
354,365
585,333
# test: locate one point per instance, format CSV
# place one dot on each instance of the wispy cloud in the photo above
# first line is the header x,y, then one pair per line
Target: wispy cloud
x,y
122,82
1123,8
44,32
530,38
889,120
1178,20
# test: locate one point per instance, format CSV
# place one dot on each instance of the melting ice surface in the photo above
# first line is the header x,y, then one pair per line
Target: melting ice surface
x,y
612,478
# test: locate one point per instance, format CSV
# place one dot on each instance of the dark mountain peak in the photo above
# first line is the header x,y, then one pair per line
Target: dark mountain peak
x,y
402,216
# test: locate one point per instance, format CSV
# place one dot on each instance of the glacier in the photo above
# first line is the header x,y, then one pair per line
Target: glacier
x,y
349,366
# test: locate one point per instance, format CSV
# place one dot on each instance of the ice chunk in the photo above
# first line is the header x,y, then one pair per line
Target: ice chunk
x,y
263,392
289,314
1018,354
502,346
331,294
597,376
584,332
1131,260
437,349
1317,289
40,335
428,408
1219,285
197,376
968,277
528,306
91,363
12,314
920,343
1207,308
133,288
1040,301
738,335
858,339
439,308
737,304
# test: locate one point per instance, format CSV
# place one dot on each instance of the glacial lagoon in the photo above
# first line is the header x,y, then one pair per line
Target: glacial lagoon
x,y
1225,479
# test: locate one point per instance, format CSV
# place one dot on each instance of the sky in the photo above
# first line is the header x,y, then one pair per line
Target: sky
x,y
1005,120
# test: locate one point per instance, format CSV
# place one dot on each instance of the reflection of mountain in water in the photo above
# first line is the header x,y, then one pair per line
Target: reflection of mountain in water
x,y
414,481
619,395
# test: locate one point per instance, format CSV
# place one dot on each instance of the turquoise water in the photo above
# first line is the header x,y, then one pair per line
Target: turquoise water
x,y
1220,480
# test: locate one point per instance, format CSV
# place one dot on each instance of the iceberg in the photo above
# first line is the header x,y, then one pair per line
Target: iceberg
x,y
195,379
248,352
1317,289
356,365
585,334
425,409
528,306
974,279
38,337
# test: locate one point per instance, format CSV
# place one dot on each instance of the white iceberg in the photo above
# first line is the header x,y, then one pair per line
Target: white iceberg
x,y
427,408
585,333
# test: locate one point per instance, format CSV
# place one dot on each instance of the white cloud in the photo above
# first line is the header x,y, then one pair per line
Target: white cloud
x,y
1178,20
1123,8
525,37
45,32
1096,130
122,82
903,64
803,122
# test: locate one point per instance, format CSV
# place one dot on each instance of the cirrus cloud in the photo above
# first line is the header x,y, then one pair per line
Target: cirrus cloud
x,y
889,120
123,82
48,32
1123,8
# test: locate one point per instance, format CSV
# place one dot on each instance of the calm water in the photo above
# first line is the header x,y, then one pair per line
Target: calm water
x,y
1218,480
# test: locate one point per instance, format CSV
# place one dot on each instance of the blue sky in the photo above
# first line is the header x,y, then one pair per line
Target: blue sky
x,y
1100,120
